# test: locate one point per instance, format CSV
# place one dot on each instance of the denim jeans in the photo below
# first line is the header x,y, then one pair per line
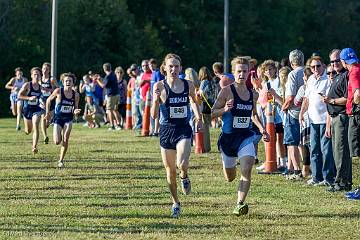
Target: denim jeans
x,y
321,158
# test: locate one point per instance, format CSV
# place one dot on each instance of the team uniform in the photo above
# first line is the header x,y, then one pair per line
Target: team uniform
x,y
32,108
64,109
174,117
236,138
46,90
14,95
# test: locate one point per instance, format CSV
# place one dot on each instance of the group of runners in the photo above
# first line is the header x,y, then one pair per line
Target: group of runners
x,y
44,101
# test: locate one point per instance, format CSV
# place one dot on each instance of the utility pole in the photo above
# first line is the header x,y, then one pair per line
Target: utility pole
x,y
54,38
226,36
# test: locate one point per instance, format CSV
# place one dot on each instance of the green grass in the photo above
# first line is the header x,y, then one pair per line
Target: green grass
x,y
113,187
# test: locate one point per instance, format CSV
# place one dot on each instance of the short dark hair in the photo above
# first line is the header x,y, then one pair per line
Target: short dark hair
x,y
152,61
107,67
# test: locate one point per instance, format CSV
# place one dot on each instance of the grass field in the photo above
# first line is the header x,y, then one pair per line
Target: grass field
x,y
113,187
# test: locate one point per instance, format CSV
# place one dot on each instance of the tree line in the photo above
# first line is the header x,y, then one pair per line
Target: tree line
x,y
125,31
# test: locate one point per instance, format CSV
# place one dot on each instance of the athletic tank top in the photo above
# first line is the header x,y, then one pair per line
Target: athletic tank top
x,y
239,118
46,89
176,109
31,93
18,84
65,108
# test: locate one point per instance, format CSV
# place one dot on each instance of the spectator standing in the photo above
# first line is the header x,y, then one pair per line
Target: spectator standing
x,y
113,96
291,111
339,122
119,72
351,62
321,156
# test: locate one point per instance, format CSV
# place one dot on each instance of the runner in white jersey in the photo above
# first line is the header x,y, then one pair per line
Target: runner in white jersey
x,y
14,85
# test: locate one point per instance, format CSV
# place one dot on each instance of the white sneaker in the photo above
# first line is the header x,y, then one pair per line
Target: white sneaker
x,y
61,164
261,167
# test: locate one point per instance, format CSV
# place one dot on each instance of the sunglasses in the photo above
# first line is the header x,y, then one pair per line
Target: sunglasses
x,y
335,61
332,72
313,67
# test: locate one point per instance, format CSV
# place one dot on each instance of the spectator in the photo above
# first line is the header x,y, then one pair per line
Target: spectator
x,y
305,127
92,113
119,72
207,93
291,119
156,76
350,61
321,157
338,122
113,96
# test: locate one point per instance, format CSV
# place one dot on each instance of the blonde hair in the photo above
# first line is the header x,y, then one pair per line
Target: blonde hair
x,y
269,63
238,60
69,74
120,70
191,75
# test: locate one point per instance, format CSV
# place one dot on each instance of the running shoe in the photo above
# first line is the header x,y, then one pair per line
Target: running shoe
x,y
35,150
46,140
175,210
61,164
18,128
185,185
241,209
355,192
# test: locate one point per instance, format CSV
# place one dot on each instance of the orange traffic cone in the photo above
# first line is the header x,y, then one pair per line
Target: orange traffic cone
x,y
146,117
199,143
128,111
270,147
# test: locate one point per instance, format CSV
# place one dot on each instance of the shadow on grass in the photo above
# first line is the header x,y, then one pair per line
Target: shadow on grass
x,y
313,216
78,177
165,227
117,196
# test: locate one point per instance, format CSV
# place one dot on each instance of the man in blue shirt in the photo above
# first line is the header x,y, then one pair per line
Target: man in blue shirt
x,y
112,96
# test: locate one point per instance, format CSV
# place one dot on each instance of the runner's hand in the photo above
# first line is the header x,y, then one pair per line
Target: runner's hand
x,y
229,105
77,111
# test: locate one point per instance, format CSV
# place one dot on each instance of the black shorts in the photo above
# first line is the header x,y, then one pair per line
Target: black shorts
x,y
279,128
62,121
122,110
30,111
354,135
171,135
229,143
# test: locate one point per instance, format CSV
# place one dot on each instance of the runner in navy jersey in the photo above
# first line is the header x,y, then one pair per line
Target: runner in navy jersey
x,y
236,104
47,84
30,93
174,96
67,102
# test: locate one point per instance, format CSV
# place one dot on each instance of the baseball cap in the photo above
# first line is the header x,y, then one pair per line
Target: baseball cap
x,y
349,56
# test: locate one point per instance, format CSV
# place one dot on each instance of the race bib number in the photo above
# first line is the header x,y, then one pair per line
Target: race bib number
x,y
46,93
66,109
33,102
241,122
178,112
